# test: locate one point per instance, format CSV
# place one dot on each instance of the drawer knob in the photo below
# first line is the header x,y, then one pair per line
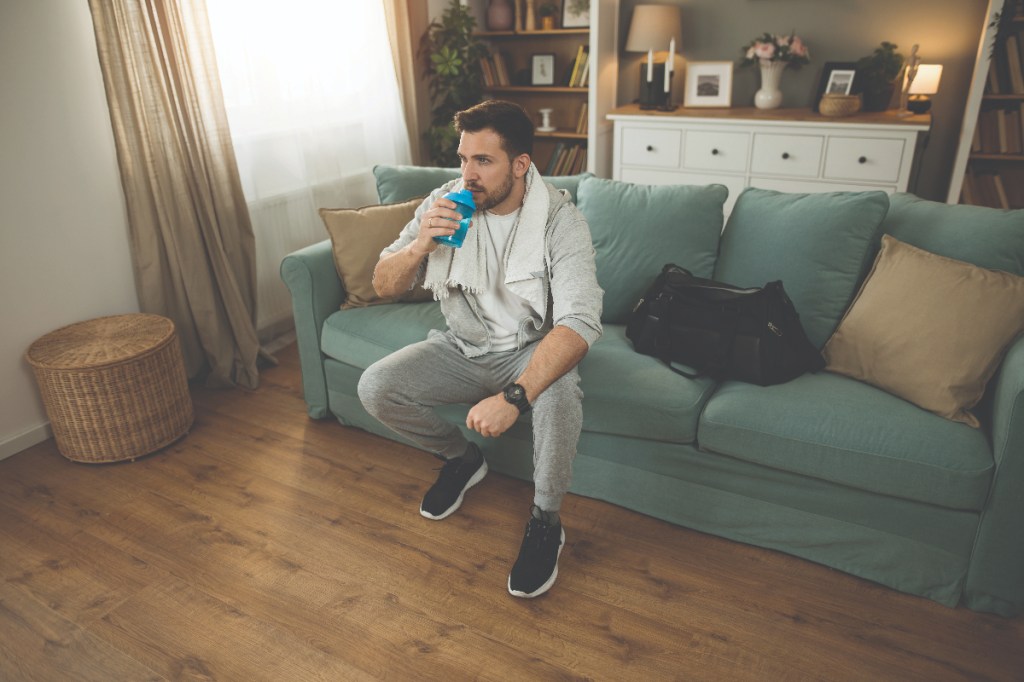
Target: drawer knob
x,y
785,155
862,159
650,148
714,152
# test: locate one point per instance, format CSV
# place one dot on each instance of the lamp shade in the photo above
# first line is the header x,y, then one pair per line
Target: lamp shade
x,y
653,27
926,82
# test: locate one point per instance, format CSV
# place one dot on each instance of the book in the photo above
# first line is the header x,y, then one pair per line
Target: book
x,y
1013,132
1003,147
581,120
581,161
988,124
583,61
1013,62
501,69
487,69
576,66
585,77
553,163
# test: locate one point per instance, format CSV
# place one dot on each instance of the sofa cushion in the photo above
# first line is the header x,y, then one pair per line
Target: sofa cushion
x,y
398,183
362,336
929,329
637,229
987,237
819,245
844,431
358,235
629,394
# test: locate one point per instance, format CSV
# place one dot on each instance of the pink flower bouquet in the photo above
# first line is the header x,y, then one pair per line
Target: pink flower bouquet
x,y
776,48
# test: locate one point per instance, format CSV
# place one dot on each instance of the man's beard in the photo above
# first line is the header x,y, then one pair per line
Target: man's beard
x,y
492,199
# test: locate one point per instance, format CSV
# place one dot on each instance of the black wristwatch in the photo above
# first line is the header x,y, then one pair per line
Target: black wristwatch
x,y
516,394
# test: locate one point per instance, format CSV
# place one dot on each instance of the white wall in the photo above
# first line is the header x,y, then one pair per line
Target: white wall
x,y
64,253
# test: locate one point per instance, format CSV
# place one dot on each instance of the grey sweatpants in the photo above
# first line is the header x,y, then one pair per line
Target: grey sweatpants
x,y
402,390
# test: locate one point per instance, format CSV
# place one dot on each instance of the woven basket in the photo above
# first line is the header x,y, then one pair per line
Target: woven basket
x,y
839,105
114,388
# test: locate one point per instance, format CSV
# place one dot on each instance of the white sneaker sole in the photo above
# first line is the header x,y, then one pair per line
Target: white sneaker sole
x,y
476,478
547,583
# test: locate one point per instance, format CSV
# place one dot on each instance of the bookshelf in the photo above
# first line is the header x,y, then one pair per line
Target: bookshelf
x,y
990,162
583,90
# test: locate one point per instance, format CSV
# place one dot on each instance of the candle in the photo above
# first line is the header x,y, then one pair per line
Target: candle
x,y
670,63
650,65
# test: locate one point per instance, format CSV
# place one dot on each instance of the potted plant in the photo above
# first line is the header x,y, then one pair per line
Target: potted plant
x,y
877,74
547,11
452,58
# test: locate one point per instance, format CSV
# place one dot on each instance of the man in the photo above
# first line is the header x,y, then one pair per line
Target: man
x,y
523,306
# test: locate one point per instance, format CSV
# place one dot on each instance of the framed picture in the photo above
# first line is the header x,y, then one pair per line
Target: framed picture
x,y
708,84
836,78
542,69
575,13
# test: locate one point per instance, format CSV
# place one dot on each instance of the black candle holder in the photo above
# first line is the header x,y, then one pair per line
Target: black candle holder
x,y
652,92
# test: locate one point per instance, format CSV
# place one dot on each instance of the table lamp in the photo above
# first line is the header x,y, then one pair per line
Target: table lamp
x,y
655,28
925,84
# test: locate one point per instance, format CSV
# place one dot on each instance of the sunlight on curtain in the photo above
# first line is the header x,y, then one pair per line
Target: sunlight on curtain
x,y
313,105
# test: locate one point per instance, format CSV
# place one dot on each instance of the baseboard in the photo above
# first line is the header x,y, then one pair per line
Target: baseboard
x,y
26,439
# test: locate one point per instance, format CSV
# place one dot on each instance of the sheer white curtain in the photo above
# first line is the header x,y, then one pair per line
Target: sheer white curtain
x,y
313,104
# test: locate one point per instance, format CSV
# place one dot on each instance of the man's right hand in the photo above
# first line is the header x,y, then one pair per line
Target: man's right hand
x,y
440,220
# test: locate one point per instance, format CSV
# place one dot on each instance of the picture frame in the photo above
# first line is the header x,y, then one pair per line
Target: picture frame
x,y
836,74
708,84
542,69
575,13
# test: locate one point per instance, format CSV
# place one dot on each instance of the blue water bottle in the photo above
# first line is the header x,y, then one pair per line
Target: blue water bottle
x,y
465,205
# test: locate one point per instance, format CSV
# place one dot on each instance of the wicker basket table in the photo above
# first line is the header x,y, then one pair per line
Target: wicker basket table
x,y
114,388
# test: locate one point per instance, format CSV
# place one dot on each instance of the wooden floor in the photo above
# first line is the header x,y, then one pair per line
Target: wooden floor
x,y
267,546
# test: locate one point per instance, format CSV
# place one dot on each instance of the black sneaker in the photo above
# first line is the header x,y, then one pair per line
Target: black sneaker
x,y
537,566
456,477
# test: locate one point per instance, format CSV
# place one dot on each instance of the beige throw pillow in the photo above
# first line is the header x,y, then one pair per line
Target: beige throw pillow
x,y
358,235
929,329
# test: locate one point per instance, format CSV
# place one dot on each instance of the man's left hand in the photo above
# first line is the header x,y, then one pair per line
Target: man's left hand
x,y
492,416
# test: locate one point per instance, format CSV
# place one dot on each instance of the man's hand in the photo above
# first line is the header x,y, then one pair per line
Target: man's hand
x,y
440,220
395,272
492,416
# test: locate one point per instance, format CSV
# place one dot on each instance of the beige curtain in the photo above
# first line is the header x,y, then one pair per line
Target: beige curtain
x,y
192,243
407,22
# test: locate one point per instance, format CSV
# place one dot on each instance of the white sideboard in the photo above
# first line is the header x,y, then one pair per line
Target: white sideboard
x,y
789,150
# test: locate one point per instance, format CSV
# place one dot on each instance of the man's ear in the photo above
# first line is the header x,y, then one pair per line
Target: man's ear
x,y
520,165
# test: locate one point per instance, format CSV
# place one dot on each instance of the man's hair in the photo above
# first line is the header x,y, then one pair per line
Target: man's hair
x,y
509,120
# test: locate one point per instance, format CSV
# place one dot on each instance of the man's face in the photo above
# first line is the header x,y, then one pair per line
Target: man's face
x,y
489,174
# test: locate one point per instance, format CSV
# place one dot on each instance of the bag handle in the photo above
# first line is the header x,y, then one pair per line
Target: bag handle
x,y
664,342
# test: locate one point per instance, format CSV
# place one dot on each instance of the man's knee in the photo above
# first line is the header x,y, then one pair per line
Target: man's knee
x,y
374,389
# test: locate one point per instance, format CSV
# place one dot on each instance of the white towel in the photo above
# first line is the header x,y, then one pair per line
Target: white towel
x,y
448,267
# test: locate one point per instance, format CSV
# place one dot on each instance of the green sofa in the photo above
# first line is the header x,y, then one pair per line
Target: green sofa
x,y
824,467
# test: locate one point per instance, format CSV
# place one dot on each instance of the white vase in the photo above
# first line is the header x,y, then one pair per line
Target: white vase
x,y
769,96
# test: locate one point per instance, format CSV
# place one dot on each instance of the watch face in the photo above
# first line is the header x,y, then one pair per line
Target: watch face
x,y
515,393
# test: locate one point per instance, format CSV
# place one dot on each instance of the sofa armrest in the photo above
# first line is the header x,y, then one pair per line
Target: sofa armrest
x,y
317,292
995,579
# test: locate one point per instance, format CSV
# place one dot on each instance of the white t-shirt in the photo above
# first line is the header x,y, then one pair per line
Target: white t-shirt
x,y
501,310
